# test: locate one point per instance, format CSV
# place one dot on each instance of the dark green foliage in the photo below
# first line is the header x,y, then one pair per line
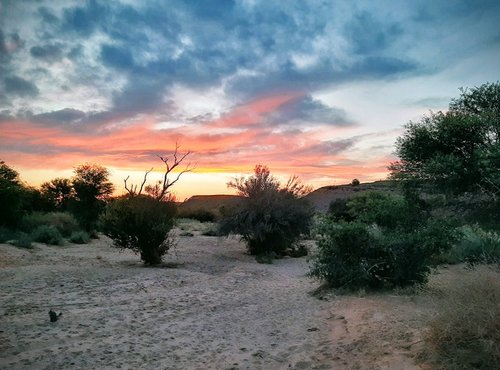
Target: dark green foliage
x,y
355,255
65,223
271,218
355,182
6,234
79,237
23,240
48,235
12,194
201,215
338,210
383,209
92,189
458,151
58,194
475,246
390,243
140,223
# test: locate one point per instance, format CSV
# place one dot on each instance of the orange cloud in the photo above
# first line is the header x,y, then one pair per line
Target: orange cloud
x,y
315,153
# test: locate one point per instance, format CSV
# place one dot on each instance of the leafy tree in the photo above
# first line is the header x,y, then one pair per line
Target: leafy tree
x,y
12,193
92,188
58,193
271,217
458,151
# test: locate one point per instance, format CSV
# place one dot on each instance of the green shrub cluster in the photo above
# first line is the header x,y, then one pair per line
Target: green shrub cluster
x,y
140,223
387,244
79,237
475,246
48,235
64,222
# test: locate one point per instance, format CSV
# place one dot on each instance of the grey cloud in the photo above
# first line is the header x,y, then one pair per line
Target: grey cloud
x,y
48,53
15,85
331,147
310,110
63,116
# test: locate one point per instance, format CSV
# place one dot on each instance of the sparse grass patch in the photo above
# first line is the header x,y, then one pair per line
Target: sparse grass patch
x,y
465,333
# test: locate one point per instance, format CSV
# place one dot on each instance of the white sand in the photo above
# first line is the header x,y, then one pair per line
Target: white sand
x,y
216,309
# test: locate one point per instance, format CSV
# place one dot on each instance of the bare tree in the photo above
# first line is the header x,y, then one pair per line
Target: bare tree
x,y
160,190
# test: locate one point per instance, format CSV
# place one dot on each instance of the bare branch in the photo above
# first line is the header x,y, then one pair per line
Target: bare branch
x,y
133,188
170,167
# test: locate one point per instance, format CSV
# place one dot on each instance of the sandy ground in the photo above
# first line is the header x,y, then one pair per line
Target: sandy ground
x,y
214,307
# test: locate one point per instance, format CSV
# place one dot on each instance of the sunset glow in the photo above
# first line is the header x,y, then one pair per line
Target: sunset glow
x,y
315,90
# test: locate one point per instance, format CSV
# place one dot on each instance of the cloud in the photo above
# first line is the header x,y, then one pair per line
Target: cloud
x,y
308,110
15,85
48,53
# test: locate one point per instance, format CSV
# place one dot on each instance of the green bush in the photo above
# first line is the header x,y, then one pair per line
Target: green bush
x,y
79,237
64,222
355,255
48,235
6,234
271,217
475,246
140,223
23,240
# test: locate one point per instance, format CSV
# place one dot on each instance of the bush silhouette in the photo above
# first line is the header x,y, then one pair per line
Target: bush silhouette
x,y
140,223
271,217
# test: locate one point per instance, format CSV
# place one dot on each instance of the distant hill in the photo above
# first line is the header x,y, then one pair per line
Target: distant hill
x,y
322,197
210,203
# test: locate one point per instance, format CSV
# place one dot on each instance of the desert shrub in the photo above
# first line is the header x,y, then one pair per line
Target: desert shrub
x,y
201,215
356,255
384,209
465,333
475,246
271,217
140,223
355,182
6,234
338,210
348,256
79,237
23,240
48,235
64,222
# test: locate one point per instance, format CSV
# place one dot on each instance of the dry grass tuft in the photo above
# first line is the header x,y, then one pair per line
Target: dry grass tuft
x,y
465,333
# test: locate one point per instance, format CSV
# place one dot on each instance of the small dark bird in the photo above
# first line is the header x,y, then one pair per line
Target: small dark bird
x,y
54,316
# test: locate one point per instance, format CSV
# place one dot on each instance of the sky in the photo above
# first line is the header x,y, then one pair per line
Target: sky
x,y
318,89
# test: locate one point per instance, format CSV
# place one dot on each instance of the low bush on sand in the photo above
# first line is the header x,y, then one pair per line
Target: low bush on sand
x,y
142,224
79,237
64,222
48,235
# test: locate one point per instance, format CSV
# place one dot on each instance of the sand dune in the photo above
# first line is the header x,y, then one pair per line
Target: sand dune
x,y
214,307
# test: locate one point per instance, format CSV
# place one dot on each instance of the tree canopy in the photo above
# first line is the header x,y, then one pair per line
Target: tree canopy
x,y
457,151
